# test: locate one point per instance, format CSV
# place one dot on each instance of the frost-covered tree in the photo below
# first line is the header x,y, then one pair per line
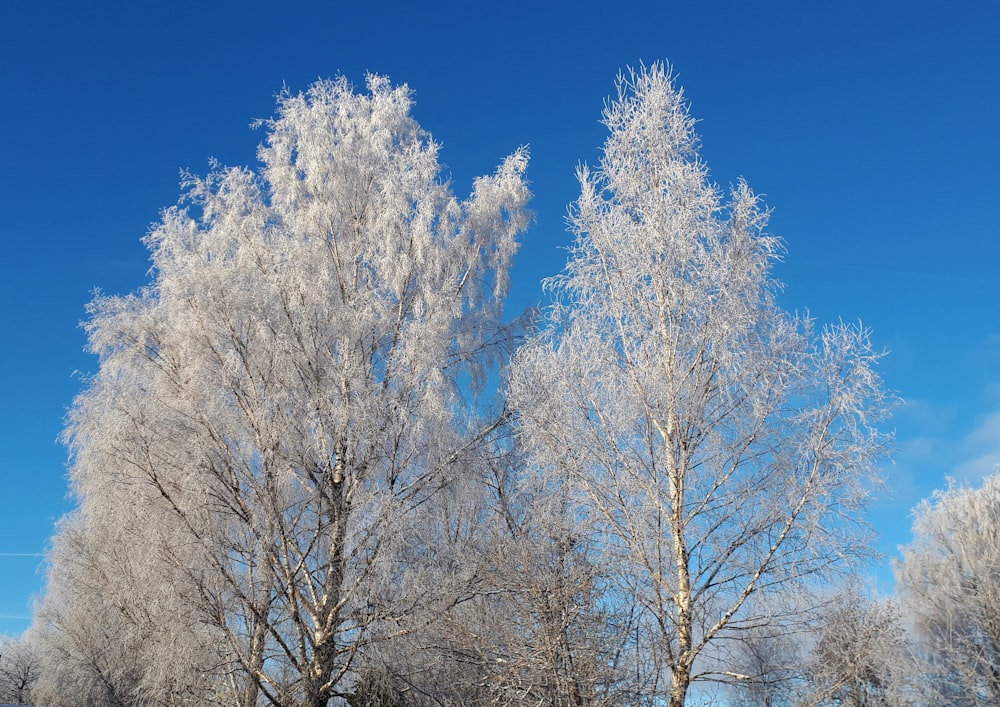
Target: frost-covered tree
x,y
558,645
19,670
768,658
529,630
556,642
118,625
849,650
949,585
295,381
720,447
859,658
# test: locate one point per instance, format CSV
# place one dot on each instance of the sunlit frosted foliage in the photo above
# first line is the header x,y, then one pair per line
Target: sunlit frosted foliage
x,y
721,446
949,580
294,380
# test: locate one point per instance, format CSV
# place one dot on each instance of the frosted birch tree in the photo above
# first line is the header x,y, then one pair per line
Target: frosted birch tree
x,y
296,379
721,447
949,585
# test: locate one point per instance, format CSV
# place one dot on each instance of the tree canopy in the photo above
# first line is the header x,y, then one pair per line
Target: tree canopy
x,y
319,465
291,386
721,446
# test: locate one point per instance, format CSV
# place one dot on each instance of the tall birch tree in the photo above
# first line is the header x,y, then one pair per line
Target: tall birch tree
x,y
297,378
721,446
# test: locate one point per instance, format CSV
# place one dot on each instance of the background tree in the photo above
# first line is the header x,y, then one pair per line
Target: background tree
x,y
296,381
557,644
769,659
529,628
19,670
719,447
859,658
949,585
560,647
118,625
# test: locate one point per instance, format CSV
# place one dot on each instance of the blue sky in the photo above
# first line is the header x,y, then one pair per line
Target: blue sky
x,y
872,128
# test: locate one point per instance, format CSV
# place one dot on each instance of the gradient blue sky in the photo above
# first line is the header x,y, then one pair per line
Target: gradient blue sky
x,y
872,128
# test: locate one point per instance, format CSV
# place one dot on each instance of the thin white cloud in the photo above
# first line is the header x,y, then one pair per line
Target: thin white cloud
x,y
988,430
979,451
975,470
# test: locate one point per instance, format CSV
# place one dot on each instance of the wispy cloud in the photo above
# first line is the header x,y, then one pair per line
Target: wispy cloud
x,y
941,441
981,451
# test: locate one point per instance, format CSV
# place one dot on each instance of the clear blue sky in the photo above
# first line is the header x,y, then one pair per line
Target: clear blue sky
x,y
872,127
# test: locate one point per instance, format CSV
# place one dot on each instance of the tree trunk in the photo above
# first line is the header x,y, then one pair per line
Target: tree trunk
x,y
321,667
681,682
257,645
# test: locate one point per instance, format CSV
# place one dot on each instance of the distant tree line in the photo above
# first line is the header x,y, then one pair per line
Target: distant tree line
x,y
319,466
